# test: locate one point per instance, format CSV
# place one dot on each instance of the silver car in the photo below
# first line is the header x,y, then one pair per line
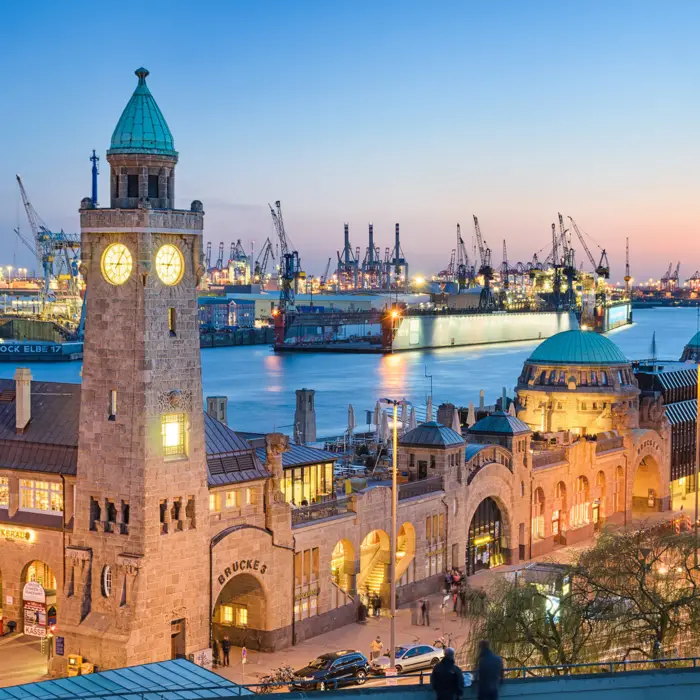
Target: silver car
x,y
412,657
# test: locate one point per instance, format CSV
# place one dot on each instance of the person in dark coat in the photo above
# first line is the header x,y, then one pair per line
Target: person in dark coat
x,y
489,674
226,648
447,679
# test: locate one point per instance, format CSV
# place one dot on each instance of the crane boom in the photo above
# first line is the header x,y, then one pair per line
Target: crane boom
x,y
35,222
603,267
480,241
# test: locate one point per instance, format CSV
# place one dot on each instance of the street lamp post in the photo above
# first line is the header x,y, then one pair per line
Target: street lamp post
x,y
394,502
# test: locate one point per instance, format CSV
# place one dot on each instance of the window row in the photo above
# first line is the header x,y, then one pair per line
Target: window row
x,y
560,377
306,584
314,483
37,496
232,499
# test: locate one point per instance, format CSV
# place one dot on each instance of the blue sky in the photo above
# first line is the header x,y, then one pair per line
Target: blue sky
x,y
416,112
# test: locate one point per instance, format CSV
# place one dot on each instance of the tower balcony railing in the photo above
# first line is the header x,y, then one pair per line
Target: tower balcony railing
x,y
304,515
421,487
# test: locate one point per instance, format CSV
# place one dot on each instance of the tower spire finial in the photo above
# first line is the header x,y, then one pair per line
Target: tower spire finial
x,y
142,73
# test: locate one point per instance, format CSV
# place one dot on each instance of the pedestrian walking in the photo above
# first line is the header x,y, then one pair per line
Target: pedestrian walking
x,y
376,647
425,612
489,674
215,652
447,679
226,648
378,608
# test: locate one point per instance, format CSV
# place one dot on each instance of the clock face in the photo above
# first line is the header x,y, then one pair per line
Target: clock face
x,y
117,263
170,265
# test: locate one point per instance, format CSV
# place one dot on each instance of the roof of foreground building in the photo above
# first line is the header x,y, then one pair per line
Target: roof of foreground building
x,y
165,680
577,347
142,127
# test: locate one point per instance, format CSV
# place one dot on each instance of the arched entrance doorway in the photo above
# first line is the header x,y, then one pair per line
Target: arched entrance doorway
x,y
646,489
484,546
39,611
342,573
240,613
375,553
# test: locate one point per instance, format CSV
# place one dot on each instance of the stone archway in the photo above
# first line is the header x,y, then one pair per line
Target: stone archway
x,y
38,588
647,487
485,539
405,553
375,554
343,566
240,612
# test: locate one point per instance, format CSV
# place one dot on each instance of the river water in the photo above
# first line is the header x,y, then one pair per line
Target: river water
x,y
261,385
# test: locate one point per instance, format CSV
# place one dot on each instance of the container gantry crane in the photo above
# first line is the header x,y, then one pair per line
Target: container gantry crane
x,y
220,257
465,276
486,300
207,257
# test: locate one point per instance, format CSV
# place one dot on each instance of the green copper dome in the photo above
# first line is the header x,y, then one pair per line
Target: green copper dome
x,y
694,342
142,127
578,348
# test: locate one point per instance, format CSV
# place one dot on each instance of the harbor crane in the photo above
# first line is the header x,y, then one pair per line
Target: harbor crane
x,y
486,300
568,263
220,257
290,264
57,253
505,270
261,263
465,276
207,257
324,278
602,269
627,277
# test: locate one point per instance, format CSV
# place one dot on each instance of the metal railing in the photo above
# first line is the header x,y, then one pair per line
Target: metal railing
x,y
420,487
321,511
518,672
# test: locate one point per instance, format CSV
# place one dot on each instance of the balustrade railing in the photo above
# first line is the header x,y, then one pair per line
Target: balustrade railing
x,y
547,457
611,443
321,511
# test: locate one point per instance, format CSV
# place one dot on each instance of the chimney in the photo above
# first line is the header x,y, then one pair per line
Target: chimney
x,y
23,398
217,407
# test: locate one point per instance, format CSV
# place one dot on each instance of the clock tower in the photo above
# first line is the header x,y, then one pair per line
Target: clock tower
x,y
137,560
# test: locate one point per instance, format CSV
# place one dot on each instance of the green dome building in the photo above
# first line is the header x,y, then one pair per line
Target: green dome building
x,y
577,381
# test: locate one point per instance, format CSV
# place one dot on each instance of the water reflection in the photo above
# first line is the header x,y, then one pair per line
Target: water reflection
x,y
260,385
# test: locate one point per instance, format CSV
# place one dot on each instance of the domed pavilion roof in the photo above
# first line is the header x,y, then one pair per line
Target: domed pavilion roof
x,y
578,347
142,127
432,434
694,342
500,423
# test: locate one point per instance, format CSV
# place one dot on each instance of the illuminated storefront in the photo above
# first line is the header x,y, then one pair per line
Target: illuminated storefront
x,y
308,484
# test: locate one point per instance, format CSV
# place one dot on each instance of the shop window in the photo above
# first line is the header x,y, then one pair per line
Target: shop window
x,y
4,491
241,616
250,497
232,499
40,496
429,529
227,614
306,585
173,435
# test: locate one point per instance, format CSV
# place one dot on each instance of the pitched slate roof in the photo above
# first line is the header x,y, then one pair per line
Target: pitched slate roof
x,y
432,434
299,455
50,441
500,423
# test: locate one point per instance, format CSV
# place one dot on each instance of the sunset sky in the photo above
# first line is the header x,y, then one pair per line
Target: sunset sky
x,y
418,112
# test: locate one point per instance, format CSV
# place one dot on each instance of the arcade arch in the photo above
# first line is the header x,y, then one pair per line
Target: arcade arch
x,y
485,543
240,612
600,503
559,511
647,487
39,611
538,514
405,554
580,511
375,552
343,566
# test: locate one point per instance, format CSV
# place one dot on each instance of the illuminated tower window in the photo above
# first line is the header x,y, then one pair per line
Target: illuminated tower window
x,y
173,435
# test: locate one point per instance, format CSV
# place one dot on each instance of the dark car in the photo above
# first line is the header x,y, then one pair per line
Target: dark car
x,y
332,670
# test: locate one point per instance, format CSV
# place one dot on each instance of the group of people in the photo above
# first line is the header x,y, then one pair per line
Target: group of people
x,y
447,679
221,651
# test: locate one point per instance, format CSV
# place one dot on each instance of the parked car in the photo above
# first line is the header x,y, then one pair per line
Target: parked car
x,y
332,670
412,657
